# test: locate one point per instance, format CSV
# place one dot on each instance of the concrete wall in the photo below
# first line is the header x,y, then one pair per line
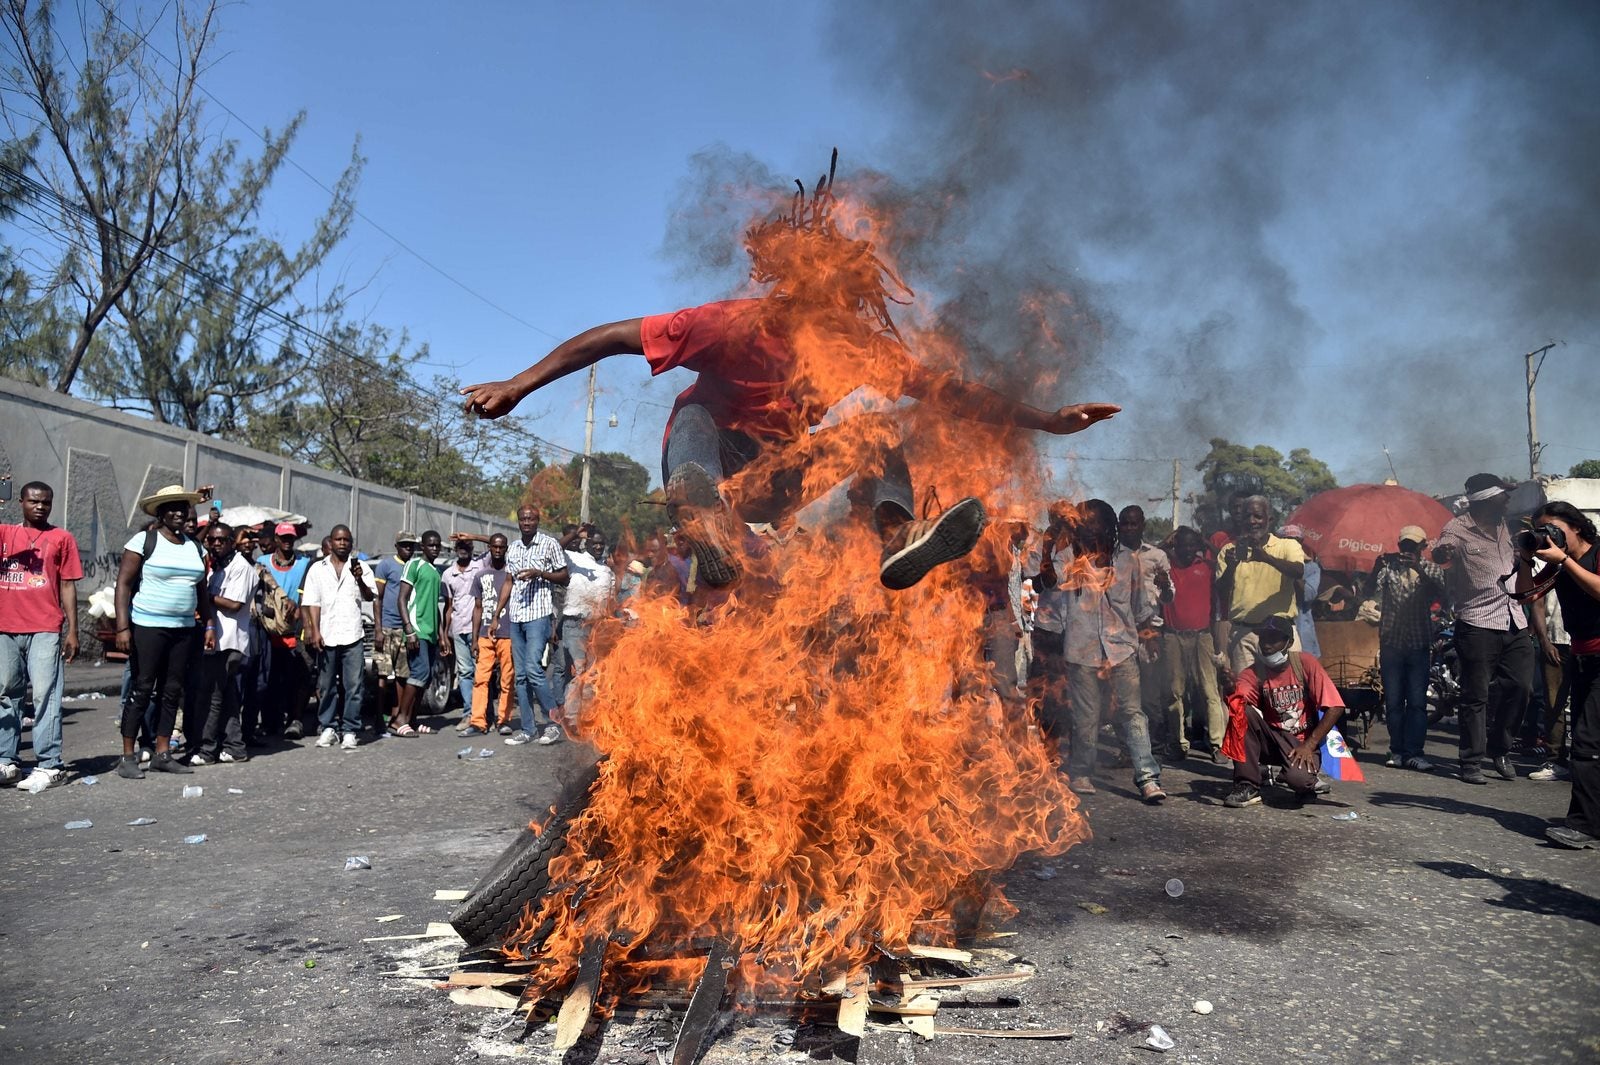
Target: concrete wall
x,y
101,462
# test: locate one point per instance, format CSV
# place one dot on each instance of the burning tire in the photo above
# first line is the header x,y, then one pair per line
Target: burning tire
x,y
522,872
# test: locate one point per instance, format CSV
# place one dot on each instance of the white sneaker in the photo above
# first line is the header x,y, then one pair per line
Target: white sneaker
x,y
41,778
351,740
226,757
199,759
550,735
144,756
328,738
1550,771
517,739
9,773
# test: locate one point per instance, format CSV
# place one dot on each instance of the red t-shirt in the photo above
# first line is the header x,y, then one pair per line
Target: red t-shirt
x,y
759,377
32,565
1283,703
1190,608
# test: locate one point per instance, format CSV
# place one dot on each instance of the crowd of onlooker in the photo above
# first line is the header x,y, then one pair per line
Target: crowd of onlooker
x,y
236,639
1194,646
1211,642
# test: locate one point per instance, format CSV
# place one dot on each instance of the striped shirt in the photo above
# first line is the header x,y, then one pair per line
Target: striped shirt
x,y
168,584
531,599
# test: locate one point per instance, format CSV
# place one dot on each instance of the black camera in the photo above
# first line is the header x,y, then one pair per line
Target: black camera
x,y
1536,537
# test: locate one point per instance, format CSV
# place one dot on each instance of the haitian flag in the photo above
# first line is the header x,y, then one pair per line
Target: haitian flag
x,y
1337,761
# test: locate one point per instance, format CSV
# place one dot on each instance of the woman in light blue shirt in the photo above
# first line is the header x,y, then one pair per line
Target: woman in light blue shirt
x,y
160,589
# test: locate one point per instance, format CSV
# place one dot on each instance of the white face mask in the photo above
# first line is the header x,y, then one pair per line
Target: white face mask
x,y
1274,661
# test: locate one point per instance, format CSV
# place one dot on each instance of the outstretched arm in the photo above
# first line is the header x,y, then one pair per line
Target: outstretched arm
x,y
983,404
495,398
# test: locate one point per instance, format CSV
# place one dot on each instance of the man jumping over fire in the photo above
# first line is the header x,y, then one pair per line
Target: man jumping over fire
x,y
742,438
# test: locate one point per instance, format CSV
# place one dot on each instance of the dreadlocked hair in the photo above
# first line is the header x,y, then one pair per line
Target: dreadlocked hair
x,y
803,254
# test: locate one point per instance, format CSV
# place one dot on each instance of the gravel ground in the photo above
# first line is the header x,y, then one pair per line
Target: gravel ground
x,y
1438,926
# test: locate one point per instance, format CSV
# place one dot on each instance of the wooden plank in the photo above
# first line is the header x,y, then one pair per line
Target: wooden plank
x,y
964,981
853,1006
706,1002
390,917
933,953
416,970
489,997
443,895
579,1003
465,979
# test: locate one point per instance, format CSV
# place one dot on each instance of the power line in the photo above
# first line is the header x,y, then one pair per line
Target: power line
x,y
425,403
408,249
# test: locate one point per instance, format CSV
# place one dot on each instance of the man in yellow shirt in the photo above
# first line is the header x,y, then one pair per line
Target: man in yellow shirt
x,y
1256,577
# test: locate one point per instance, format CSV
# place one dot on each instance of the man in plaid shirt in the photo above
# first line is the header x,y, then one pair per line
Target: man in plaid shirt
x,y
539,564
1406,586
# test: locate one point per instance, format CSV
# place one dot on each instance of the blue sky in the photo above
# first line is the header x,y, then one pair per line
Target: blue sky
x,y
1335,271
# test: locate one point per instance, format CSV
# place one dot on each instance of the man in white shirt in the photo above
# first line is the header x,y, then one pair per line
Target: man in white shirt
x,y
335,589
591,591
232,583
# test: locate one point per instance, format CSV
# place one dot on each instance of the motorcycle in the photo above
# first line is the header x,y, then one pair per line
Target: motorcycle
x,y
1444,674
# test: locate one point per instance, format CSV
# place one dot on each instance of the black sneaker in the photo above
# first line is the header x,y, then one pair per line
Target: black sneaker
x,y
1503,766
128,766
706,523
294,731
918,546
163,762
1243,795
1472,774
1571,837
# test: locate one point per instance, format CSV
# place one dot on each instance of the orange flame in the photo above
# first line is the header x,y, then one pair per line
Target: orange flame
x,y
823,768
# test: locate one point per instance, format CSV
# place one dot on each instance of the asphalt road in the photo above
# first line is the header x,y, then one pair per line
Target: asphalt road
x,y
1437,927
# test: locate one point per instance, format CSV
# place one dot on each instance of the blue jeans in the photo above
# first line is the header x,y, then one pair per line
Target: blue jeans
x,y
466,668
528,639
571,657
341,668
1089,694
38,656
1405,698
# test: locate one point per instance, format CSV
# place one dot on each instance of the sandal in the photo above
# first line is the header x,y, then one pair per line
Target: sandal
x,y
426,730
405,732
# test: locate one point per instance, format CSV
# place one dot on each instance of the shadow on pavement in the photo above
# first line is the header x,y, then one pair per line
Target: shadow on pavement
x,y
1523,824
1530,896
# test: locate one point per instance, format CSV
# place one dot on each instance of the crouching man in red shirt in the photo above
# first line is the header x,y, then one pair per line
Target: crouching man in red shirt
x,y
1280,711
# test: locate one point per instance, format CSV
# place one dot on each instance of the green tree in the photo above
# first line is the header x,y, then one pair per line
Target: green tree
x,y
619,492
1586,468
1232,471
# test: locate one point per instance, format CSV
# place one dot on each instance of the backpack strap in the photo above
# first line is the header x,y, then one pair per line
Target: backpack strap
x,y
150,535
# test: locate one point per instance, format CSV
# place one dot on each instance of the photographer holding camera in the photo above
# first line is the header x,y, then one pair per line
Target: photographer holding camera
x,y
1564,539
1496,655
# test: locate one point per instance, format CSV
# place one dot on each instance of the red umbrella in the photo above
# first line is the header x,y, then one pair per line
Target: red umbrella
x,y
1348,528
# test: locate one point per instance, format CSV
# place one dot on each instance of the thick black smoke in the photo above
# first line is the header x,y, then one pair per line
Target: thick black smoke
x,y
1324,225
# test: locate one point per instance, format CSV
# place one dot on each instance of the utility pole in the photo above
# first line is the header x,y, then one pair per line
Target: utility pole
x,y
1533,427
1177,487
588,449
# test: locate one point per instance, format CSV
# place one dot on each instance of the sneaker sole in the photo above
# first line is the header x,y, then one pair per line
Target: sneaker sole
x,y
692,487
951,537
1254,800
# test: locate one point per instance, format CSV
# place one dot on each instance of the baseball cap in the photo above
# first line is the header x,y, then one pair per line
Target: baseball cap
x,y
1413,533
284,528
1275,626
406,536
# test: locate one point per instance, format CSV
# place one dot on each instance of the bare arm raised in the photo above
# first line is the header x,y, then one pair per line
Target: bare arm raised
x,y
496,398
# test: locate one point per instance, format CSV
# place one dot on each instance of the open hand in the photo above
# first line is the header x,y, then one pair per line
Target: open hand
x,y
492,399
1305,757
1079,416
